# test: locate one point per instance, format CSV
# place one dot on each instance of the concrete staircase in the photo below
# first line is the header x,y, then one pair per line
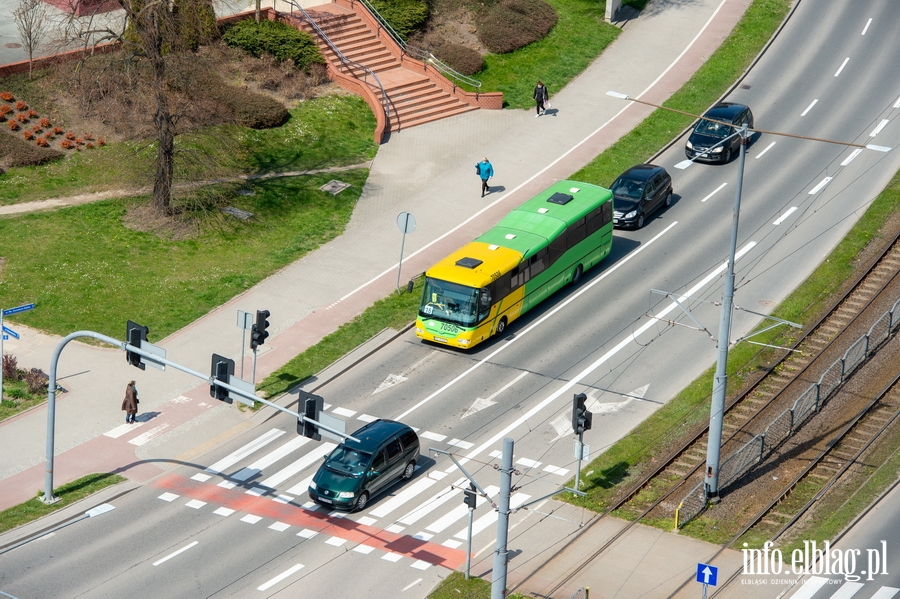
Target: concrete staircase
x,y
413,96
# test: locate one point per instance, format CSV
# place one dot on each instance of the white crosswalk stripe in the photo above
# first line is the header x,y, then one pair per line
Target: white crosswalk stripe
x,y
235,457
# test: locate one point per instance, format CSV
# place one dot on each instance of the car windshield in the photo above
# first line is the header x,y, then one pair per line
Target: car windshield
x,y
624,189
348,462
449,302
712,128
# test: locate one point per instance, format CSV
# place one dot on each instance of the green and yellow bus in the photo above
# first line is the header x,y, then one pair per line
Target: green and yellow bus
x,y
548,241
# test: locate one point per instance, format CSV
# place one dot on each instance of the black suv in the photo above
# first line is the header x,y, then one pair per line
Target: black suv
x,y
639,192
710,131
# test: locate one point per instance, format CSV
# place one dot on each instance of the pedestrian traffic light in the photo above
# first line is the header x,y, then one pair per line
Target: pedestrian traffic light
x,y
135,334
312,407
258,332
222,370
470,496
581,417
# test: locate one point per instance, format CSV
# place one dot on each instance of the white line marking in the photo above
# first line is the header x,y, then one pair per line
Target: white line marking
x,y
866,28
821,184
847,590
364,549
809,588
171,555
121,430
280,526
715,191
556,470
270,458
307,533
244,451
170,497
540,321
412,584
405,495
808,108
843,64
224,511
781,218
767,148
897,103
251,519
880,126
392,557
433,436
432,504
344,412
280,577
201,477
451,543
852,155
367,418
289,471
421,565
526,463
143,438
885,593
195,503
460,443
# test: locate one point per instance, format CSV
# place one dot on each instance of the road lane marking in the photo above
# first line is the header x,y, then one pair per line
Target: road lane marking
x,y
289,471
880,126
280,577
421,565
781,218
820,185
170,497
270,458
767,148
408,493
153,432
808,108
173,554
411,585
843,64
195,503
121,430
866,28
432,504
251,519
897,103
584,289
852,155
715,191
244,451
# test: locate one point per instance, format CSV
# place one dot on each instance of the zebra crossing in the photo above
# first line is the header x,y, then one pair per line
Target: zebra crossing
x,y
819,587
273,470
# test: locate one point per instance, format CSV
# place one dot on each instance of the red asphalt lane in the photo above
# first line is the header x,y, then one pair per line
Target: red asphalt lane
x,y
343,528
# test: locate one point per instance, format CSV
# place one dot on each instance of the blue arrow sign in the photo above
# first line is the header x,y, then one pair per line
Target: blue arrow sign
x,y
18,309
707,574
5,337
9,331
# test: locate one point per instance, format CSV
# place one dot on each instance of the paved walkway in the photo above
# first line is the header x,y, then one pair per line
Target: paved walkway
x,y
426,171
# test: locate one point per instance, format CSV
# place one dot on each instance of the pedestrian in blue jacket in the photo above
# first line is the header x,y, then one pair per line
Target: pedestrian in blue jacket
x,y
485,171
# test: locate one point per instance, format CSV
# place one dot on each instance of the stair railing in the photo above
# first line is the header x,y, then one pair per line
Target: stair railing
x,y
348,62
424,56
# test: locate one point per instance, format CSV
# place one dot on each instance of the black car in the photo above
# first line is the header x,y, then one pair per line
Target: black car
x,y
707,140
639,192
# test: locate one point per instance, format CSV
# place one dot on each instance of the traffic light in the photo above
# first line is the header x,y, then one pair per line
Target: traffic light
x,y
134,335
312,407
222,369
581,418
258,332
470,496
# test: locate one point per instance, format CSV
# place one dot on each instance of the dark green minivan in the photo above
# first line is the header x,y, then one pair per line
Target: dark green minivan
x,y
355,472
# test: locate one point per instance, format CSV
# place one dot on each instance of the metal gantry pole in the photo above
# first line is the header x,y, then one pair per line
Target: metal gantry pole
x,y
469,544
498,581
720,383
579,456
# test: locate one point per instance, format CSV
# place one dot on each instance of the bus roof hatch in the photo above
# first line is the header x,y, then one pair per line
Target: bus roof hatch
x,y
469,262
560,198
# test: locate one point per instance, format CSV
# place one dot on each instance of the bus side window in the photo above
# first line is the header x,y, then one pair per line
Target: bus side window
x,y
503,285
575,233
594,221
607,209
539,262
557,248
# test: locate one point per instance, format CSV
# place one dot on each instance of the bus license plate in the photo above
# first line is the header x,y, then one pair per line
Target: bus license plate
x,y
440,340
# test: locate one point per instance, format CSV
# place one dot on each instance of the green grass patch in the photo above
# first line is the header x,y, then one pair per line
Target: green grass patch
x,y
17,399
394,311
325,132
456,586
69,493
580,35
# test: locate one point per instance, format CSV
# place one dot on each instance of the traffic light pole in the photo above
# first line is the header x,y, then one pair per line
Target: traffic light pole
x,y
580,456
48,497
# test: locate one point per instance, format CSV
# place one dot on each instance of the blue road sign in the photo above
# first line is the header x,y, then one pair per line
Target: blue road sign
x,y
707,574
6,337
9,331
18,309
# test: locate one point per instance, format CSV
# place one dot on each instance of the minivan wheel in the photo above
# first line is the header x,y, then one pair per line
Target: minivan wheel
x,y
410,468
669,199
640,221
361,501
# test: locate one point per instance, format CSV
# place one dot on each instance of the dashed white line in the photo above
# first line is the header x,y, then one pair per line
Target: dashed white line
x,y
251,519
173,554
781,218
280,577
433,436
897,103
412,584
244,451
820,185
307,533
866,28
195,503
715,191
808,108
852,155
224,511
364,549
279,526
767,148
170,497
880,126
344,412
843,64
392,557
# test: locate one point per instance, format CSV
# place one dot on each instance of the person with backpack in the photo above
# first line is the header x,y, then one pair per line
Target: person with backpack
x,y
485,170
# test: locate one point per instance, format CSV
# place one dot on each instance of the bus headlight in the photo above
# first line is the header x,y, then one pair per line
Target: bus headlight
x,y
463,341
419,331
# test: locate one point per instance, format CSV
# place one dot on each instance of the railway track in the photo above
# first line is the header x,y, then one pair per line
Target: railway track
x,y
751,411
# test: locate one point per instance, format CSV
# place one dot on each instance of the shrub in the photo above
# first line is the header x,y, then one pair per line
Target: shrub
x,y
10,367
6,96
278,39
49,135
22,117
13,126
57,130
507,25
32,113
70,135
254,110
101,142
41,141
17,152
89,145
28,134
20,105
35,381
15,394
5,109
45,122
405,16
460,58
67,144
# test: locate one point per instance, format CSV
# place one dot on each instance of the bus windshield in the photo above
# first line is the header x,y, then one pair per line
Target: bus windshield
x,y
449,302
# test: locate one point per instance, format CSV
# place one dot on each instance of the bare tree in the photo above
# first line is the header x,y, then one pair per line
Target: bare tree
x,y
31,18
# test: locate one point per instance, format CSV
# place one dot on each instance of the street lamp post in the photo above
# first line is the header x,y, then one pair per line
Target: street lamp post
x,y
717,404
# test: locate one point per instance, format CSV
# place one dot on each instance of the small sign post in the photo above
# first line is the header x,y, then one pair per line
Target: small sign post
x,y
707,575
8,332
406,222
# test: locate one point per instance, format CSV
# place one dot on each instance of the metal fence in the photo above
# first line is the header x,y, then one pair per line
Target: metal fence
x,y
785,424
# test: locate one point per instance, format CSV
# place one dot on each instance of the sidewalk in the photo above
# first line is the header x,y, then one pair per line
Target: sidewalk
x,y
426,171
